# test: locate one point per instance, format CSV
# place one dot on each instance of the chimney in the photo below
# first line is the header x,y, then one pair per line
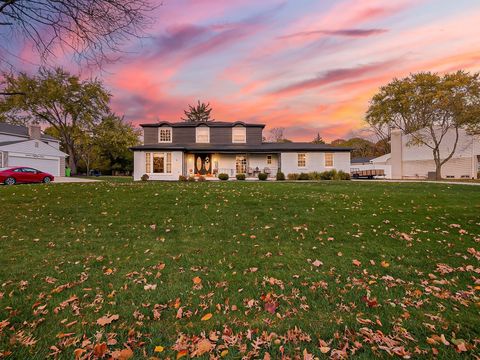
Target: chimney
x,y
34,132
396,154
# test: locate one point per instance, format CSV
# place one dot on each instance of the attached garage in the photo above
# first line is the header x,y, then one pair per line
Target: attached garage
x,y
35,154
49,165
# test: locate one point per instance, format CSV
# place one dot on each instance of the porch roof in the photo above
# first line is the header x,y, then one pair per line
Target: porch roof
x,y
243,148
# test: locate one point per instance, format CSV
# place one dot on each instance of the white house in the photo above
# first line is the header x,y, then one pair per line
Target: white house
x,y
408,161
211,148
22,146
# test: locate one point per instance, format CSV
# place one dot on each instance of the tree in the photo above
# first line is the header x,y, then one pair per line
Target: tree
x,y
361,147
318,139
277,135
428,106
113,138
199,113
92,29
56,98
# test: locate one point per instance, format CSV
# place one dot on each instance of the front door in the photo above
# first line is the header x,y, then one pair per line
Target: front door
x,y
203,164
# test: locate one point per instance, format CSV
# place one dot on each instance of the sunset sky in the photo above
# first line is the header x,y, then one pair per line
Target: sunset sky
x,y
307,65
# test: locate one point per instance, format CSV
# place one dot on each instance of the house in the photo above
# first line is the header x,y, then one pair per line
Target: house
x,y
172,149
410,161
361,160
27,146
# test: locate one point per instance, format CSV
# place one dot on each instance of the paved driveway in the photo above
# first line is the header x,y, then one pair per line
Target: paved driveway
x,y
63,179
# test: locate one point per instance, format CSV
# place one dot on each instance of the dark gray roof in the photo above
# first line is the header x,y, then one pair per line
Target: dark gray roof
x,y
20,131
5,143
360,160
236,148
208,123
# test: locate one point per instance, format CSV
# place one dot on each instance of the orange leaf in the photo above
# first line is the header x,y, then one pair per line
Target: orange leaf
x,y
207,317
197,280
182,353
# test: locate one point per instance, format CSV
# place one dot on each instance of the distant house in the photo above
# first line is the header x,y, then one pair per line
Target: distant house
x,y
361,160
27,146
416,161
172,149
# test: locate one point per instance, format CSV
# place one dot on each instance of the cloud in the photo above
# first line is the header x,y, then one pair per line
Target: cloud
x,y
336,75
341,32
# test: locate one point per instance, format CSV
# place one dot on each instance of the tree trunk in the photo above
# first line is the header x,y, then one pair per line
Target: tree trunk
x,y
438,169
72,164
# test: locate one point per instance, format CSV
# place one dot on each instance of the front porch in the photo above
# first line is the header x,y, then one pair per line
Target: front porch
x,y
210,165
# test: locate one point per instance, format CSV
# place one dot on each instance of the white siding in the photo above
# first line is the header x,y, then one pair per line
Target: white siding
x,y
139,166
315,161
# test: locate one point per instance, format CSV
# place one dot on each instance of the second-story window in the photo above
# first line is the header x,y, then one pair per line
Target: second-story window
x,y
239,135
165,135
202,134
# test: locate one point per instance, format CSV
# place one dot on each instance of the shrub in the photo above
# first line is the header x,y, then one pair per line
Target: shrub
x,y
280,176
145,177
303,176
182,178
262,176
342,175
240,176
223,176
328,175
191,178
315,175
202,178
293,176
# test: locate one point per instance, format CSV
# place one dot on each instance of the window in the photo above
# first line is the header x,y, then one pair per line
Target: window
x,y
239,134
165,135
148,163
162,163
269,159
328,160
203,134
301,160
241,164
29,170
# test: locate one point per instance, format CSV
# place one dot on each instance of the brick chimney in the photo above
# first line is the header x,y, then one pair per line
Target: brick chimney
x,y
34,132
396,154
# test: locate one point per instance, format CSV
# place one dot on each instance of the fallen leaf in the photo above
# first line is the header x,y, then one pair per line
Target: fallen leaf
x,y
207,317
159,348
197,280
106,319
317,263
356,262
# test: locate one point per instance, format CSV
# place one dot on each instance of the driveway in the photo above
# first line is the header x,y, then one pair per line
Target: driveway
x,y
64,179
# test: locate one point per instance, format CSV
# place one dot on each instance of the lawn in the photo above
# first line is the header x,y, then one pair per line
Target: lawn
x,y
232,270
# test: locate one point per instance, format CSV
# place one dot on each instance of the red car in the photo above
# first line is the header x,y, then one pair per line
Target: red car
x,y
19,174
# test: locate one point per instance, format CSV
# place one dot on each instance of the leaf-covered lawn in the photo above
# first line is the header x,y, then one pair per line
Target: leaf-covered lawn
x,y
239,270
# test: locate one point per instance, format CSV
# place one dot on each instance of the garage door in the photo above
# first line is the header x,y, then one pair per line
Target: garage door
x,y
47,165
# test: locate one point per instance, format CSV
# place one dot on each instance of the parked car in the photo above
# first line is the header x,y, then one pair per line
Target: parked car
x,y
14,175
95,172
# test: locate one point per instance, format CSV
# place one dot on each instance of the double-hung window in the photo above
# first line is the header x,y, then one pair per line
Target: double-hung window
x,y
328,160
165,135
239,135
158,163
269,159
202,134
301,160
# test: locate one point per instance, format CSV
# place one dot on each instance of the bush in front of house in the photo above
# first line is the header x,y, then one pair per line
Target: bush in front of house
x,y
280,176
182,178
342,175
262,176
293,176
223,176
303,176
191,178
315,175
202,178
240,176
145,177
328,175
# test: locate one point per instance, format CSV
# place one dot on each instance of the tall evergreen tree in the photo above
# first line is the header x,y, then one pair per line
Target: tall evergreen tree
x,y
199,113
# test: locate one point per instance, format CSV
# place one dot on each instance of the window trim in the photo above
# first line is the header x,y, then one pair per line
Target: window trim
x,y
165,128
304,160
243,129
207,129
167,163
325,160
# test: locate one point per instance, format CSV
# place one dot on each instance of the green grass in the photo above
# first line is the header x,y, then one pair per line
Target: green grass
x,y
97,242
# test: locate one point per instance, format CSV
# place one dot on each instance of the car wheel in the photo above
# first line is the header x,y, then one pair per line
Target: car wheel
x,y
10,181
47,180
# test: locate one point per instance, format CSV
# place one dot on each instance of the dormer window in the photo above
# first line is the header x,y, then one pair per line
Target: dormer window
x,y
202,134
239,135
165,135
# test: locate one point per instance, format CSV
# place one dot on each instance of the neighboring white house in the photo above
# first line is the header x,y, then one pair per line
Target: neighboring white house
x,y
22,146
211,148
409,161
